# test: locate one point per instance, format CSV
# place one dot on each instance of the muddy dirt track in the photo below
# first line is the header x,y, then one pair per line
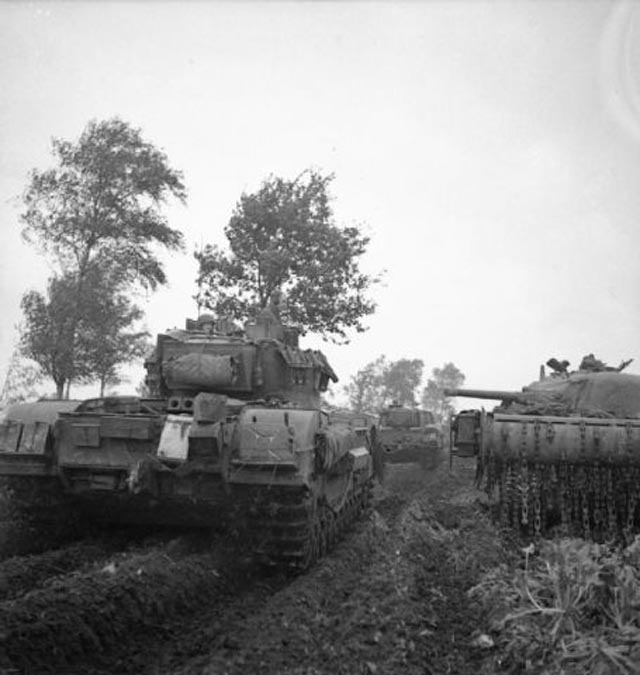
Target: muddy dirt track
x,y
390,598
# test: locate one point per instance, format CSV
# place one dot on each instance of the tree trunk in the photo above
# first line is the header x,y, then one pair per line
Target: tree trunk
x,y
102,386
66,394
59,389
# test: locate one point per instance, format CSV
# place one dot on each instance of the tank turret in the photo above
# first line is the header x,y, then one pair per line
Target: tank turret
x,y
261,362
590,393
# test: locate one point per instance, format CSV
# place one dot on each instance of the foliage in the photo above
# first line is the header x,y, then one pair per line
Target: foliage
x,y
48,330
108,339
282,239
381,382
98,214
575,608
100,206
81,337
433,397
20,382
401,379
365,389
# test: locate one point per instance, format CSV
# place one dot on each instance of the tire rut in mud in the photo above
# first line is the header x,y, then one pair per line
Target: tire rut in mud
x,y
245,617
21,574
78,610
99,610
329,618
392,598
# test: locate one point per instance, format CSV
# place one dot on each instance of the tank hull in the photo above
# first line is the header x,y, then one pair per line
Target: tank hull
x,y
289,479
549,439
564,451
409,435
579,473
233,437
410,446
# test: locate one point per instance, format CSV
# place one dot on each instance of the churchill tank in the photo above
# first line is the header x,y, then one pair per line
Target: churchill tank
x,y
232,435
410,435
564,452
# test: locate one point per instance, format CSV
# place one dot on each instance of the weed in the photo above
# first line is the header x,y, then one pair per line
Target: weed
x,y
573,606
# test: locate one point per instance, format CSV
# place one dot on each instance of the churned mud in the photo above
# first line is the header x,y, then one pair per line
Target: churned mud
x,y
392,597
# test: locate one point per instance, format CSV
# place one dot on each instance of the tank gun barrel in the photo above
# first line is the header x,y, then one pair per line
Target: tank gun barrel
x,y
487,394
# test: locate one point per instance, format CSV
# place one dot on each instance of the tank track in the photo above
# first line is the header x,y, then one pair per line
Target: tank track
x,y
295,529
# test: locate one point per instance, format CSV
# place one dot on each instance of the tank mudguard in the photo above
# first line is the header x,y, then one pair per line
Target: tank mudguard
x,y
101,442
26,441
25,448
553,439
273,445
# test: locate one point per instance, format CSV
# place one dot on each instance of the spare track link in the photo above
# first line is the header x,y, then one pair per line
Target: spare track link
x,y
294,530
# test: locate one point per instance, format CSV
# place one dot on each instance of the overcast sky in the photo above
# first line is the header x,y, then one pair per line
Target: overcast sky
x,y
490,149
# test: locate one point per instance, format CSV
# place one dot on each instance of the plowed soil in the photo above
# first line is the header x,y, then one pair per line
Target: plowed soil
x,y
390,598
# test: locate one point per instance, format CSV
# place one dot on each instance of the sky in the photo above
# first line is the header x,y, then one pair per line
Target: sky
x,y
491,150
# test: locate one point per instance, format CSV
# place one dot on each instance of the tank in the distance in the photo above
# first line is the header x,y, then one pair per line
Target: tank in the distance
x,y
409,435
564,451
233,434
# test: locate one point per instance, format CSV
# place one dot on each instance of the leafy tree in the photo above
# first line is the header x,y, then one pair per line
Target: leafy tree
x,y
83,337
108,339
98,214
48,330
433,398
401,379
282,239
382,382
100,206
365,390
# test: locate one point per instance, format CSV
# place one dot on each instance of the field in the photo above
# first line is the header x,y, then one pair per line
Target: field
x,y
426,583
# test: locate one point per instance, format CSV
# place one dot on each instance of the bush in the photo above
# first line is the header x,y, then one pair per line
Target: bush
x,y
573,607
